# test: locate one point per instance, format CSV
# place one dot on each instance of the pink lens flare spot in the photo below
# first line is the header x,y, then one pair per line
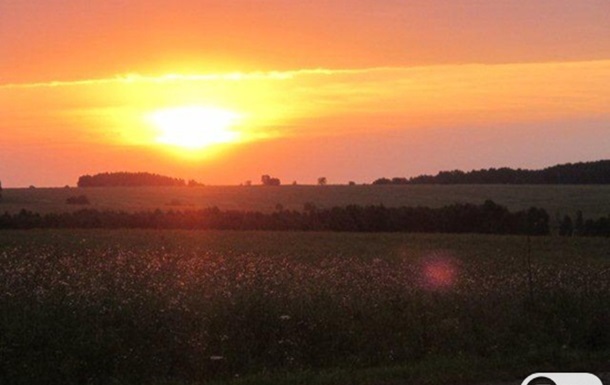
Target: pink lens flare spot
x,y
440,272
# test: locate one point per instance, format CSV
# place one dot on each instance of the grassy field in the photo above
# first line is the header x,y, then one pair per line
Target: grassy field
x,y
558,200
180,307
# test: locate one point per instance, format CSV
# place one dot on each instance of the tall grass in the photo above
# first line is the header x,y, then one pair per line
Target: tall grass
x,y
114,310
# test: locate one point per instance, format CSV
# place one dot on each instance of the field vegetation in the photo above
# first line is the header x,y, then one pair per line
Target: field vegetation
x,y
183,307
557,200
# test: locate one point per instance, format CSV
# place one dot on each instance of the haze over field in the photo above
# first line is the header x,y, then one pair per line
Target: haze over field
x,y
352,90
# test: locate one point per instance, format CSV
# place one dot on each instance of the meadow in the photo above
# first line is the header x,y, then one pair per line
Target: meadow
x,y
557,200
194,307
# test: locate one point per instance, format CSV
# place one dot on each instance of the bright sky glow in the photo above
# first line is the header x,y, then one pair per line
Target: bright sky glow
x,y
225,91
194,127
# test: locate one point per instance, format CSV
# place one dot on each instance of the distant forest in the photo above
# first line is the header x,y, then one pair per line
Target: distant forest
x,y
116,179
571,173
597,172
488,218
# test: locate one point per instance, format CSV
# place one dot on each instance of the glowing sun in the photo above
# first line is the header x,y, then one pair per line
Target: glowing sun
x,y
194,127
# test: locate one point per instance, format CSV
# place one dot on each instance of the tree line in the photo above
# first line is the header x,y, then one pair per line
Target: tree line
x,y
129,179
488,218
577,173
584,227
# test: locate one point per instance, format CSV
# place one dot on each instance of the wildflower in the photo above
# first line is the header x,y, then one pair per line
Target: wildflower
x,y
285,317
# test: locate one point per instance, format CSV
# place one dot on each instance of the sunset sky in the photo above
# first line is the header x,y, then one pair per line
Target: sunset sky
x,y
224,91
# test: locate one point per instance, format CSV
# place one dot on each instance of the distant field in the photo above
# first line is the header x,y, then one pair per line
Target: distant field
x,y
185,307
558,200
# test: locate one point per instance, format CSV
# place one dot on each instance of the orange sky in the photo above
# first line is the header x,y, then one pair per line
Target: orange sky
x,y
352,90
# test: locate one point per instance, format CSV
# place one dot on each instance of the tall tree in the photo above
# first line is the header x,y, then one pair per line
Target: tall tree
x,y
267,180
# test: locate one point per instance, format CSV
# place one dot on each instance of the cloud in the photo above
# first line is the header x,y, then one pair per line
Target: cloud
x,y
326,101
168,78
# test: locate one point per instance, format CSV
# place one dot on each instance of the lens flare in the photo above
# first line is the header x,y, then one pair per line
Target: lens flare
x,y
439,271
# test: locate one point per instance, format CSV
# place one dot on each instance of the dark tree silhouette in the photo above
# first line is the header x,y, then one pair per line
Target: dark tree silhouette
x,y
194,183
322,181
130,179
566,228
267,180
578,173
488,218
579,224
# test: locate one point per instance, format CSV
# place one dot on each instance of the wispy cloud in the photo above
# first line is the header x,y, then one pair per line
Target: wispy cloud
x,y
322,101
166,78
406,72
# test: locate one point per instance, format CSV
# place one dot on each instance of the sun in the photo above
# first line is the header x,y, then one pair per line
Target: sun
x,y
194,127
